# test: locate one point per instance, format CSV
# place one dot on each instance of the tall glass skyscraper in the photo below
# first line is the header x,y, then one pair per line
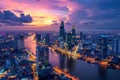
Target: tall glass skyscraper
x,y
62,30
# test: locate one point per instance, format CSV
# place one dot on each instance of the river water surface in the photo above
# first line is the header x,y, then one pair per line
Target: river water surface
x,y
78,68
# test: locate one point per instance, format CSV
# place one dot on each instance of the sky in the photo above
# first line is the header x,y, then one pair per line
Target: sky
x,y
47,14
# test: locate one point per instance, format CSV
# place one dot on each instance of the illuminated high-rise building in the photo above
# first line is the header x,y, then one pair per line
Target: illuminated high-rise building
x,y
118,46
38,37
103,44
61,42
19,43
81,35
73,31
47,39
69,38
42,54
114,45
46,55
62,30
43,67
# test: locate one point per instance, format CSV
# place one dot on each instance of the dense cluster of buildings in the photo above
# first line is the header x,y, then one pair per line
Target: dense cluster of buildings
x,y
67,40
44,68
100,44
15,62
43,38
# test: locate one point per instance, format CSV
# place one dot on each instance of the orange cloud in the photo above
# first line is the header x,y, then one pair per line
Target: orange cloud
x,y
52,10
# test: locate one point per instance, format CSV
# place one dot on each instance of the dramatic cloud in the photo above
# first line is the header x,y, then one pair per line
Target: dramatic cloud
x,y
91,14
9,18
98,14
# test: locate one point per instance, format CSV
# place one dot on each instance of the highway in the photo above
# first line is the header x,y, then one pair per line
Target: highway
x,y
60,71
34,71
33,58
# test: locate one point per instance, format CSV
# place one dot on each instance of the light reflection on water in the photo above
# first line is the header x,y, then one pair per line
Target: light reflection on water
x,y
30,43
82,69
78,68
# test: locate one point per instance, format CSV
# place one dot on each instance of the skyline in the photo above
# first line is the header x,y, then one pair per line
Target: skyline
x,y
45,14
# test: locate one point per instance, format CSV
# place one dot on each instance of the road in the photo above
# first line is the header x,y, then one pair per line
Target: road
x,y
33,66
59,72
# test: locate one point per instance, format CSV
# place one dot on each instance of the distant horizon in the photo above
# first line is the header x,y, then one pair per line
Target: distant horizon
x,y
50,28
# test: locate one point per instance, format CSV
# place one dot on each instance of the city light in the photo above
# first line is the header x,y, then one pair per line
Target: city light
x,y
59,40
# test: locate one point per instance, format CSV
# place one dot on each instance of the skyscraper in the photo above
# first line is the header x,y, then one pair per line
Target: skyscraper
x,y
19,43
42,54
47,39
103,44
118,46
114,45
46,55
81,35
61,42
62,30
73,31
69,38
44,68
38,37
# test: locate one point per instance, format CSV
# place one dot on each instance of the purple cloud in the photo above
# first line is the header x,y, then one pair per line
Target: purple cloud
x,y
9,18
83,13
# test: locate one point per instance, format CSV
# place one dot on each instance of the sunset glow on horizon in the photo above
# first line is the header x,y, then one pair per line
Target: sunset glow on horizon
x,y
83,13
42,14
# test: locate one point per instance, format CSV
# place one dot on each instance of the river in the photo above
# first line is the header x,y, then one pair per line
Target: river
x,y
78,68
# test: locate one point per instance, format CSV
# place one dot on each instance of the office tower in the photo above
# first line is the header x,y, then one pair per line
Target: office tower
x,y
103,45
81,35
61,42
73,32
44,68
46,55
19,43
114,45
40,55
118,46
80,46
38,37
69,38
47,39
62,31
